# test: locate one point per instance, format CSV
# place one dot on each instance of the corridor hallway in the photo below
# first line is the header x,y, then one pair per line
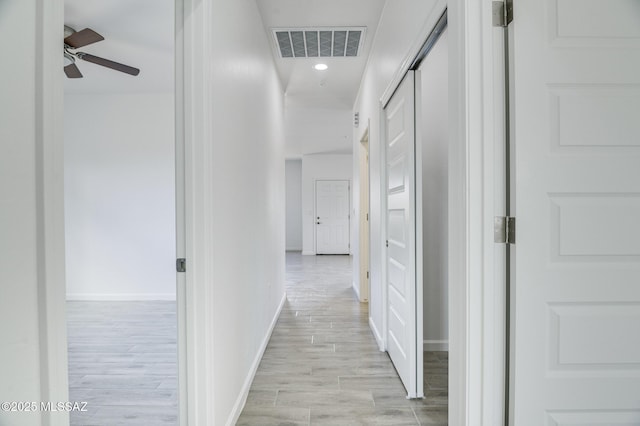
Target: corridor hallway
x,y
323,366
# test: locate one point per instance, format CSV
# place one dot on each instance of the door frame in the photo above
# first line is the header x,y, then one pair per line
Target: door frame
x,y
472,374
364,246
189,122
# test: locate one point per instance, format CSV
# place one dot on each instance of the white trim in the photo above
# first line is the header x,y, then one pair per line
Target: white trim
x,y
419,240
435,345
199,211
473,372
377,335
242,398
356,289
49,181
120,297
383,225
459,413
180,209
308,253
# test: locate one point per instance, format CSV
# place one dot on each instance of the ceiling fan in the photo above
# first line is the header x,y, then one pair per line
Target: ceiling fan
x,y
76,39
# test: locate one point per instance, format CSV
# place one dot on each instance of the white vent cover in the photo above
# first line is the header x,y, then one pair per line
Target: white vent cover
x,y
319,42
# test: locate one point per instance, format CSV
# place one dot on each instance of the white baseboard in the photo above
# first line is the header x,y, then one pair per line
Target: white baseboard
x,y
308,253
356,289
376,334
120,297
435,345
242,398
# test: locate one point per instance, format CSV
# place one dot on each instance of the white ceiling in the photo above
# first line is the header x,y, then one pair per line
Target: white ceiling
x,y
138,33
338,85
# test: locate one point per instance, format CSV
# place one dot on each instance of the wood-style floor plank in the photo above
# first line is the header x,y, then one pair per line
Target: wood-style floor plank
x,y
123,362
322,365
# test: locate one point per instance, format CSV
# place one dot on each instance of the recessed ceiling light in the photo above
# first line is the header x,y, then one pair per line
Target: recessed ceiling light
x,y
321,67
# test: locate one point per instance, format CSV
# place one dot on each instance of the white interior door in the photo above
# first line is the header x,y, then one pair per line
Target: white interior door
x,y
576,111
401,235
332,217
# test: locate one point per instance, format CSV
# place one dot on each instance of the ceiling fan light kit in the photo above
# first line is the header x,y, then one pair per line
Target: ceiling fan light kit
x,y
76,39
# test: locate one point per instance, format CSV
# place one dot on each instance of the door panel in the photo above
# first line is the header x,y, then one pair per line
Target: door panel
x,y
332,217
576,97
401,228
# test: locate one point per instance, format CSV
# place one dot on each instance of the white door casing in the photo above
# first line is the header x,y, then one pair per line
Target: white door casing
x,y
364,217
332,217
576,301
399,119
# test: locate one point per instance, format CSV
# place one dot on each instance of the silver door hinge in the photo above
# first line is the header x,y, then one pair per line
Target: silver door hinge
x,y
504,230
502,13
367,217
367,274
181,265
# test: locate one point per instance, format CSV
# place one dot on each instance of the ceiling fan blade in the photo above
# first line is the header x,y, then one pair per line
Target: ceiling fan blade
x,y
83,38
109,64
72,71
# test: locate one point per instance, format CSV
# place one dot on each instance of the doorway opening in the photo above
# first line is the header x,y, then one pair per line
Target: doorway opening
x,y
120,222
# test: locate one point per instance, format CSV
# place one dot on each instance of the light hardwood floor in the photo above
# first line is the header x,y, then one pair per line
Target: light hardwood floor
x,y
123,363
322,365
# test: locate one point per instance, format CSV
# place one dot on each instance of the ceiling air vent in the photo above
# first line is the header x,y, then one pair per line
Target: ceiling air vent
x,y
319,42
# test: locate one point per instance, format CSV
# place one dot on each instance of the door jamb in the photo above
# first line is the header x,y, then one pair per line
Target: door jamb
x,y
365,231
49,93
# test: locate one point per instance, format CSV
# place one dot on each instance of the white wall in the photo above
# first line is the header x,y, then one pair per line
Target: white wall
x,y
120,196
316,130
402,23
434,144
293,195
320,167
33,356
248,199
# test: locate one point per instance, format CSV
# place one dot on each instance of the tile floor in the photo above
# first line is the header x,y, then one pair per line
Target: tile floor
x,y
123,363
322,365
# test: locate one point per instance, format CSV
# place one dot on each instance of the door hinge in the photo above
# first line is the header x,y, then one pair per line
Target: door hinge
x,y
181,265
502,13
367,274
504,230
367,217
387,243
